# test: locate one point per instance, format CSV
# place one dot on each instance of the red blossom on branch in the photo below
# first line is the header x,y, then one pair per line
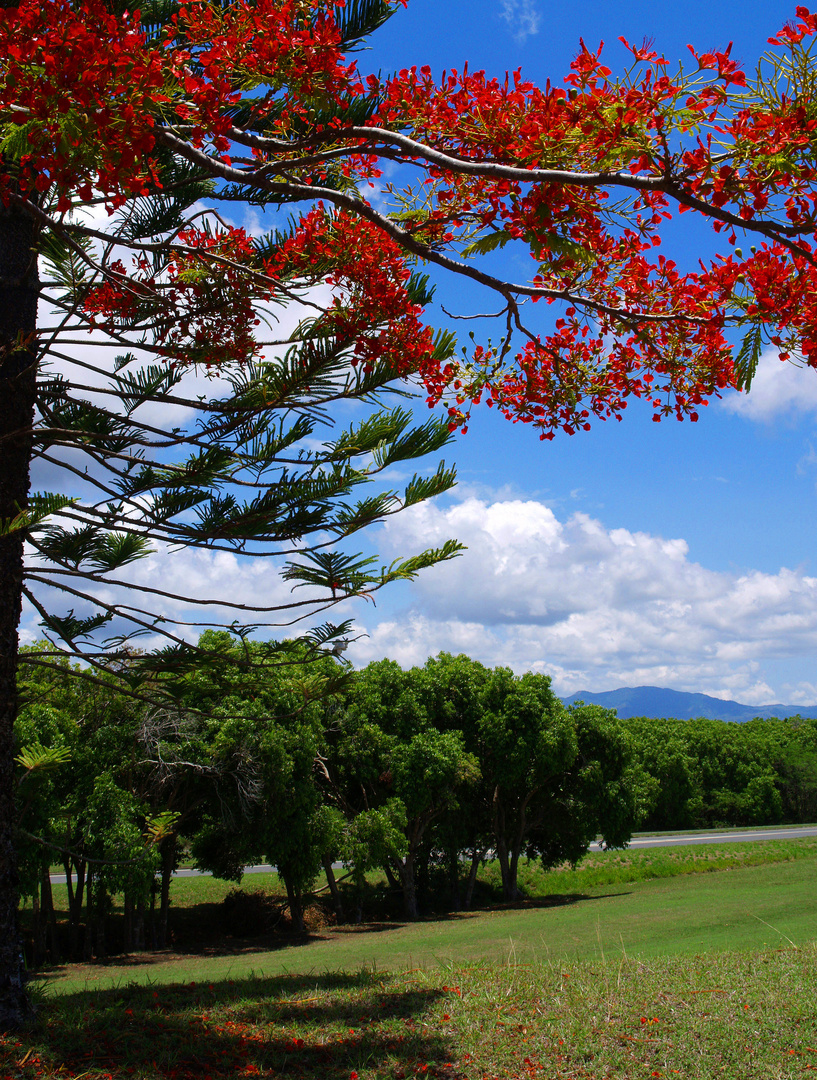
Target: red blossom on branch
x,y
261,97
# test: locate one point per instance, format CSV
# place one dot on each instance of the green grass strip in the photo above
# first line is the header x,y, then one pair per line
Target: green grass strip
x,y
748,1015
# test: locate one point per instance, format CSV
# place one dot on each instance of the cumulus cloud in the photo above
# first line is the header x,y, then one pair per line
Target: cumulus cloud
x,y
597,608
780,390
229,588
522,16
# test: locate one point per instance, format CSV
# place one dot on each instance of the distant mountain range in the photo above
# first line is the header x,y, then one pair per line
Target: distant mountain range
x,y
656,702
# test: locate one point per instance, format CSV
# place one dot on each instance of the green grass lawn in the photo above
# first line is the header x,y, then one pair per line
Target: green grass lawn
x,y
746,1015
749,907
699,973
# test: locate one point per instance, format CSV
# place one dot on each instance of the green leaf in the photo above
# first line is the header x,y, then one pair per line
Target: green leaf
x,y
68,627
342,574
40,506
748,357
552,244
421,488
118,549
143,384
162,825
489,242
408,569
14,142
357,19
38,758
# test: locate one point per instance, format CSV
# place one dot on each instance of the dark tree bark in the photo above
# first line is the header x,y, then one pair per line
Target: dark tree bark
x,y
47,905
333,888
168,866
88,941
75,896
409,885
454,877
127,929
139,923
38,932
18,320
476,858
296,905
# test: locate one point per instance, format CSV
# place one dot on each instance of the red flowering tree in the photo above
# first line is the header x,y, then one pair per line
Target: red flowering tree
x,y
152,114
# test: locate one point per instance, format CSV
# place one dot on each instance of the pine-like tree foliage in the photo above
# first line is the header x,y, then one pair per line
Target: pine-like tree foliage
x,y
241,455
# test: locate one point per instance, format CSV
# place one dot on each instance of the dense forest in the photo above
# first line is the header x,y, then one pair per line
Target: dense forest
x,y
307,764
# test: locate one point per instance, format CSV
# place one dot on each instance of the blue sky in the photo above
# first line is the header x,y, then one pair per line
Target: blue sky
x,y
677,555
680,555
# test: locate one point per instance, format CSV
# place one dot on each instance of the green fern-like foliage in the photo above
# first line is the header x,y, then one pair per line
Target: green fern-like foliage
x,y
245,458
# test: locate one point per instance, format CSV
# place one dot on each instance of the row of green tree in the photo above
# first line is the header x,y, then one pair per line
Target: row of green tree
x,y
709,773
268,754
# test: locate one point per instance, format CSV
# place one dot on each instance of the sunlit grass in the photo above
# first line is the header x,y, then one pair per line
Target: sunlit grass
x,y
697,963
743,1015
644,864
741,908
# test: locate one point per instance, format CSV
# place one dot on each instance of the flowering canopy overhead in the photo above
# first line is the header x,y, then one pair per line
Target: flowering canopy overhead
x,y
97,99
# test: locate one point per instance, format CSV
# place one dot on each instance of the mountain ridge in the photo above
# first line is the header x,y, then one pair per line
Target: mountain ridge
x,y
659,702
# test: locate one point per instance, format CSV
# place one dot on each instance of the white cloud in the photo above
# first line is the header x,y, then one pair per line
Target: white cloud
x,y
597,608
213,576
522,16
780,390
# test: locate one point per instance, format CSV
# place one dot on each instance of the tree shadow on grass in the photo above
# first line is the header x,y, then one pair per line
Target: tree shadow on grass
x,y
555,900
325,1026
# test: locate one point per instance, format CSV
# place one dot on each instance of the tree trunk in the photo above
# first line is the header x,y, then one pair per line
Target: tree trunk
x,y
454,877
513,875
153,914
405,869
394,883
333,888
508,861
100,922
18,321
38,932
504,867
476,859
88,942
168,864
296,905
75,894
139,924
127,922
50,915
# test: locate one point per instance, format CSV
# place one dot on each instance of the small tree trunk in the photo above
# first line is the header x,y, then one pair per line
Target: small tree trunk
x,y
75,896
127,922
405,869
454,877
513,873
19,290
296,905
153,939
38,952
139,924
168,864
50,915
476,859
333,888
88,942
505,869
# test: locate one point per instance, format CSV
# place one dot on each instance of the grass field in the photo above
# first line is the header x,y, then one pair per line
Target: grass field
x,y
696,975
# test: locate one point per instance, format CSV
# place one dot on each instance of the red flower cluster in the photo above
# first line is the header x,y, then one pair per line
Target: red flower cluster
x,y
584,175
204,311
371,310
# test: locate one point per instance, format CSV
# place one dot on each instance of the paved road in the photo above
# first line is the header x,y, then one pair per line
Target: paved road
x,y
673,840
743,835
